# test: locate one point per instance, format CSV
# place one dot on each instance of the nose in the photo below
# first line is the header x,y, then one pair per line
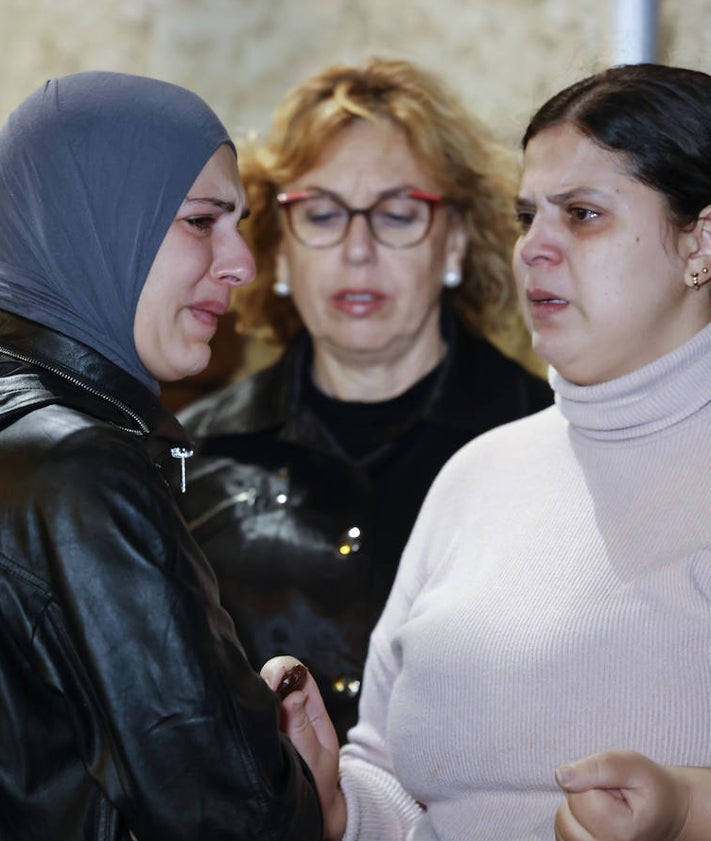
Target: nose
x,y
232,262
358,244
539,243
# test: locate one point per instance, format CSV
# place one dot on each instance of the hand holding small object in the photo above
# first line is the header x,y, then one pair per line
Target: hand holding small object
x,y
305,721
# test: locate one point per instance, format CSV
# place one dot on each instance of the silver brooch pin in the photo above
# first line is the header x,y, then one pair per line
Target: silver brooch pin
x,y
182,454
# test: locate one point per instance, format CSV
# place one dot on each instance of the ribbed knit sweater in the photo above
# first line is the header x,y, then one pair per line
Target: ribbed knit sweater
x,y
554,600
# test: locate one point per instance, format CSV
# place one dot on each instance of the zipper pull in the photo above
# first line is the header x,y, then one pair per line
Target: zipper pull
x,y
182,454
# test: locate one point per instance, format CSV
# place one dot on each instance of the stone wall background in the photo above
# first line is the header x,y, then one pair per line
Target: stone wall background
x,y
503,56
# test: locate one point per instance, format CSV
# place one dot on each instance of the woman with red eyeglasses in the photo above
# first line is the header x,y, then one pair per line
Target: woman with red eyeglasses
x,y
382,226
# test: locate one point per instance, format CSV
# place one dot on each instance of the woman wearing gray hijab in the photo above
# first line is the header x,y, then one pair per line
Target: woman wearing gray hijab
x,y
127,708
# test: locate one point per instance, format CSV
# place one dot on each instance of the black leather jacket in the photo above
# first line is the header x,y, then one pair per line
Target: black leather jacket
x,y
126,703
273,500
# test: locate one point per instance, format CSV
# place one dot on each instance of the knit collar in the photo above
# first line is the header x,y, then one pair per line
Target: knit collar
x,y
646,401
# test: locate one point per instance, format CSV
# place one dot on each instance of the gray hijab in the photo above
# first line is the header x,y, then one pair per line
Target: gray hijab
x,y
93,168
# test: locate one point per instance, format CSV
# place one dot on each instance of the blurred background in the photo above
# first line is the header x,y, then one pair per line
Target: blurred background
x,y
504,57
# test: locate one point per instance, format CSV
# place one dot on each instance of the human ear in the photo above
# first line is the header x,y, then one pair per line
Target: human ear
x,y
698,244
456,243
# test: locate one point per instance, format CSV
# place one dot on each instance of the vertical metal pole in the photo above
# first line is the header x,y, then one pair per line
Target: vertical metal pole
x,y
636,31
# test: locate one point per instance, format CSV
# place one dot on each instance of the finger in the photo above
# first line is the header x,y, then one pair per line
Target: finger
x,y
302,706
567,827
295,715
274,670
309,697
602,815
303,713
611,770
306,735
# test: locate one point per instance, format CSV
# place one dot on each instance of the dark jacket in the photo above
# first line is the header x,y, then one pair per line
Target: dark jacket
x,y
273,498
125,699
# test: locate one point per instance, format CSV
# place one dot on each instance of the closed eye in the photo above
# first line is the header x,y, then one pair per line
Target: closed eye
x,y
394,219
202,223
324,218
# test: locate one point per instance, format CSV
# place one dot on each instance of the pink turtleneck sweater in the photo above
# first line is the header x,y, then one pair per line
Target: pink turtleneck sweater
x,y
554,600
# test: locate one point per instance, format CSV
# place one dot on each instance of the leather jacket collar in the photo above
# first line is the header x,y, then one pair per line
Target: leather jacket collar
x,y
57,369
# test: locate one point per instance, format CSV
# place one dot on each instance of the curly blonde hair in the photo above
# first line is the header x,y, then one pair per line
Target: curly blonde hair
x,y
468,164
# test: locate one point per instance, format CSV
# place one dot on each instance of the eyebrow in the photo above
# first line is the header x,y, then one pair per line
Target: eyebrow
x,y
566,196
229,206
576,192
221,204
388,191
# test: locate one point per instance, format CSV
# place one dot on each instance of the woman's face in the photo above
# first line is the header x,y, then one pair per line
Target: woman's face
x,y
599,269
361,299
201,259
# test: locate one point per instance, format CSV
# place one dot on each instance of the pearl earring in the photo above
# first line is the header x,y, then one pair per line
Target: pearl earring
x,y
281,286
451,278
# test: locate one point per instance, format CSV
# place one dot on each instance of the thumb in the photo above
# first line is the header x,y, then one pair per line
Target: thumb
x,y
579,776
610,770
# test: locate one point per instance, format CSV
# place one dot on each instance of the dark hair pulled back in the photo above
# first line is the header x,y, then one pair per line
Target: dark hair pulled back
x,y
658,117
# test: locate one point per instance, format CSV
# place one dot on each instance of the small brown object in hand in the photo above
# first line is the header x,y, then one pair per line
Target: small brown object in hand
x,y
292,680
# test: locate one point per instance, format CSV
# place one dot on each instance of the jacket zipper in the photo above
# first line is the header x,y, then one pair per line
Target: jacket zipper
x,y
143,427
248,496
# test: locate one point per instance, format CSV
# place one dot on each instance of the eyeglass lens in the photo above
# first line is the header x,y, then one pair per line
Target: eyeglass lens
x,y
399,221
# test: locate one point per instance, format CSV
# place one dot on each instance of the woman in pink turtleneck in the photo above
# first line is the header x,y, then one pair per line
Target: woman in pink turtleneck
x,y
543,665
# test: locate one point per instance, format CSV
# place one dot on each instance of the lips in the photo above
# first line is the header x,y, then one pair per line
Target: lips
x,y
543,296
543,303
207,312
357,297
358,302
